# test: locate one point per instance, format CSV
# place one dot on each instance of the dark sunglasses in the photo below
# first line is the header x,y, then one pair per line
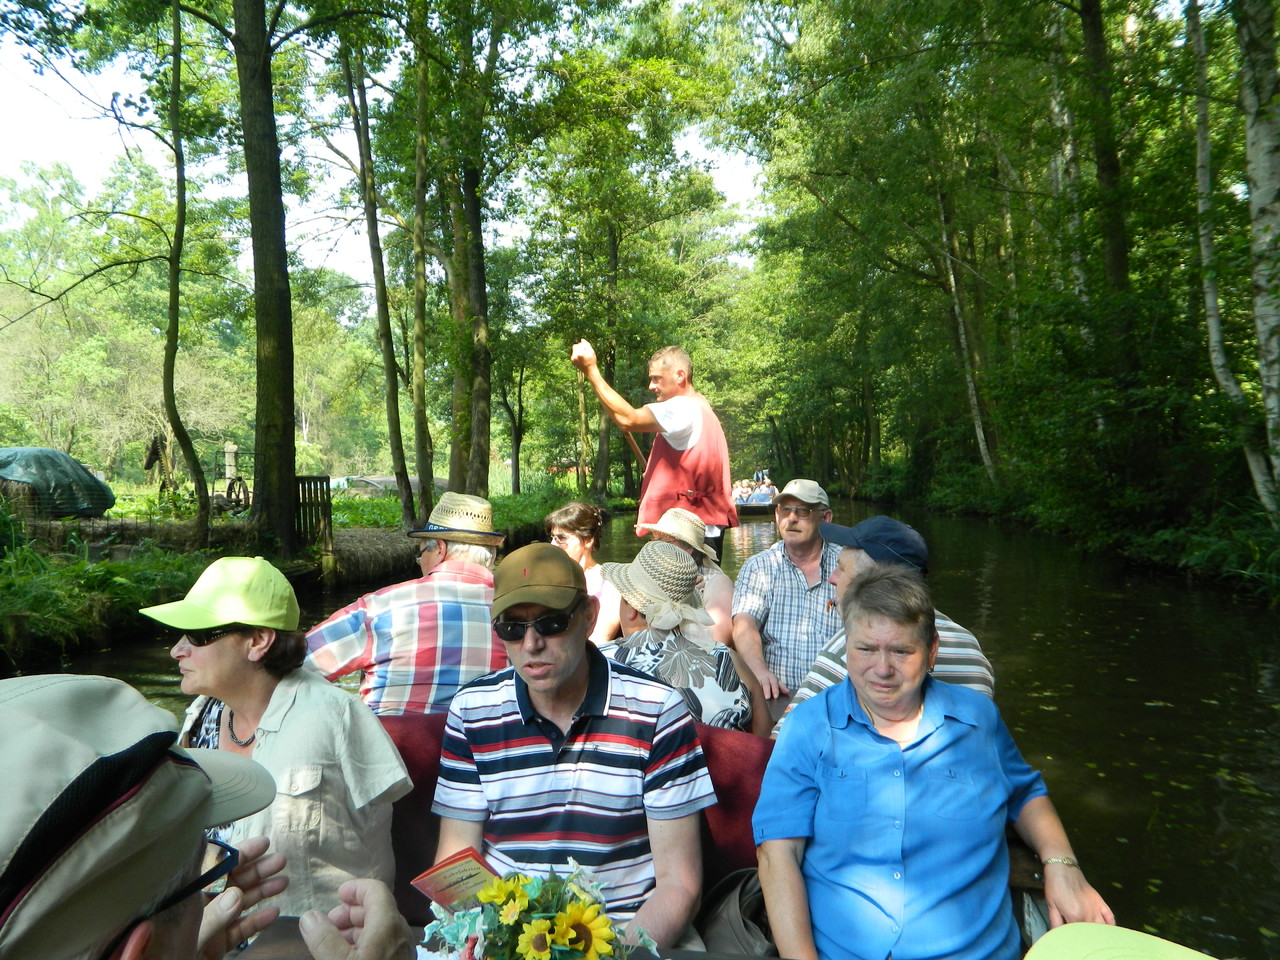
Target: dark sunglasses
x,y
202,638
547,625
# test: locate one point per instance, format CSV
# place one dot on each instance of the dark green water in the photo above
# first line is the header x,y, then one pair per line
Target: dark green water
x,y
1151,706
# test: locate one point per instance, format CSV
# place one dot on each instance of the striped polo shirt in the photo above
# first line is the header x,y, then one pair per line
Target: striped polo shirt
x,y
631,752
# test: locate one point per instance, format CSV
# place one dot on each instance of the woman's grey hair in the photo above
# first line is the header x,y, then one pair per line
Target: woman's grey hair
x,y
894,592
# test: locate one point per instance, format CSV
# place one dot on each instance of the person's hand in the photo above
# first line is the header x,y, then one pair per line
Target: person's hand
x,y
365,926
1071,899
224,924
583,356
772,686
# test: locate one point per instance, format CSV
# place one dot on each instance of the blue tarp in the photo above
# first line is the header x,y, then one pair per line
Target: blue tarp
x,y
63,487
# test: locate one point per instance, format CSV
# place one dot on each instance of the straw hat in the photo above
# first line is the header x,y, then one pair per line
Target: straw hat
x,y
684,526
461,518
660,583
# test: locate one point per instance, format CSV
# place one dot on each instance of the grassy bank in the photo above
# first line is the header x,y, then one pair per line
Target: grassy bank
x,y
56,603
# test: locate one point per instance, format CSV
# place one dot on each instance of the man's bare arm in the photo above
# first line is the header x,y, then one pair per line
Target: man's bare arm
x,y
748,642
677,868
626,416
785,897
457,835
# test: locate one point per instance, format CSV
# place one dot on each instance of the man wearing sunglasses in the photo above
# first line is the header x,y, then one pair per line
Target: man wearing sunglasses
x,y
567,754
783,605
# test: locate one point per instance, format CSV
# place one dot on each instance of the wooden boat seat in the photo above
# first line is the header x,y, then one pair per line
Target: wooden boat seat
x,y
414,828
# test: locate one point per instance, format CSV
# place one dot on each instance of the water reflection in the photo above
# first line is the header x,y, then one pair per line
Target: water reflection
x,y
1152,707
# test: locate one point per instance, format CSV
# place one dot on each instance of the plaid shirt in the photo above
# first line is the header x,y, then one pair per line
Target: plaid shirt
x,y
795,618
960,661
417,642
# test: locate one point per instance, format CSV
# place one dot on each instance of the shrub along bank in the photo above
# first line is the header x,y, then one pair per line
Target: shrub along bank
x,y
53,605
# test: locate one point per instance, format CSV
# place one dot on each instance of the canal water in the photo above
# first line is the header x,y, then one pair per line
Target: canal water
x,y
1151,705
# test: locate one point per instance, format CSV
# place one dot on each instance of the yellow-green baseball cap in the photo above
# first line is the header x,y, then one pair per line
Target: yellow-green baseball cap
x,y
246,590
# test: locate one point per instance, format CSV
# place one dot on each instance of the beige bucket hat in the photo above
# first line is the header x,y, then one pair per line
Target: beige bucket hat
x,y
461,518
686,527
99,809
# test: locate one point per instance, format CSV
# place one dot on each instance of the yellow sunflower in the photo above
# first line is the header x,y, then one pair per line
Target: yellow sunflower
x,y
583,927
535,942
512,909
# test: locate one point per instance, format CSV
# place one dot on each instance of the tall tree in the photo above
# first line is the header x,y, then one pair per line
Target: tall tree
x,y
1260,95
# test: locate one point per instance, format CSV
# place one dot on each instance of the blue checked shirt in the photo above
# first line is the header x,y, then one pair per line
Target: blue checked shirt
x,y
795,619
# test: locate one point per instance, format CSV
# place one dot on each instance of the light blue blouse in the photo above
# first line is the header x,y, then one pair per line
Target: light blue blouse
x,y
906,849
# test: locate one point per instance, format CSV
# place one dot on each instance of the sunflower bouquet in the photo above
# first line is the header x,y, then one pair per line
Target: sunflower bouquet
x,y
533,918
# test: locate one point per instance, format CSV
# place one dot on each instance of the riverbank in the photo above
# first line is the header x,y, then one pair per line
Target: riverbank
x,y
71,598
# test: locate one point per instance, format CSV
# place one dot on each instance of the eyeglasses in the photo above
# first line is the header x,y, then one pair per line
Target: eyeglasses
x,y
560,539
212,880
797,509
547,625
202,638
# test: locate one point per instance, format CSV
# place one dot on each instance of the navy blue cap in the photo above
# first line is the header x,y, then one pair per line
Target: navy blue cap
x,y
885,540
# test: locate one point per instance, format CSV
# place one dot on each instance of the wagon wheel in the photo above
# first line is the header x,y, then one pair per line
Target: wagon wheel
x,y
238,494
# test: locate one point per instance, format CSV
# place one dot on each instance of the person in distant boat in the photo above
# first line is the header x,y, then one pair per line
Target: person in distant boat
x,y
883,541
689,463
882,813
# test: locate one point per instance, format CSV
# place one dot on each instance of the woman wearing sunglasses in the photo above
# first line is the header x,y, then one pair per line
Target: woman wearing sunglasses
x,y
575,529
240,653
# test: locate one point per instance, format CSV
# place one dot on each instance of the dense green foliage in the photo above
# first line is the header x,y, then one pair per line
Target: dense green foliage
x,y
974,279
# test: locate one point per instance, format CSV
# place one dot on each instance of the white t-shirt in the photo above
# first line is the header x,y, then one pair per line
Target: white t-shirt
x,y
680,419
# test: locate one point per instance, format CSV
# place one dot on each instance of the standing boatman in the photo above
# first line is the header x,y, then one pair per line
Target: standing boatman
x,y
689,464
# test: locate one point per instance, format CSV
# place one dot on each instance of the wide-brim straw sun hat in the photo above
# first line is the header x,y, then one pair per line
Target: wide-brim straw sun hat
x,y
461,518
686,527
660,583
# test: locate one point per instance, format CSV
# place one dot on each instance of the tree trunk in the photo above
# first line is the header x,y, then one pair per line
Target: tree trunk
x,y
609,360
459,287
423,447
947,271
1263,481
275,486
515,418
358,104
1260,95
478,295
1111,207
179,429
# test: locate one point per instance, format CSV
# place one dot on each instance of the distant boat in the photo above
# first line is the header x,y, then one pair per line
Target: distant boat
x,y
754,509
